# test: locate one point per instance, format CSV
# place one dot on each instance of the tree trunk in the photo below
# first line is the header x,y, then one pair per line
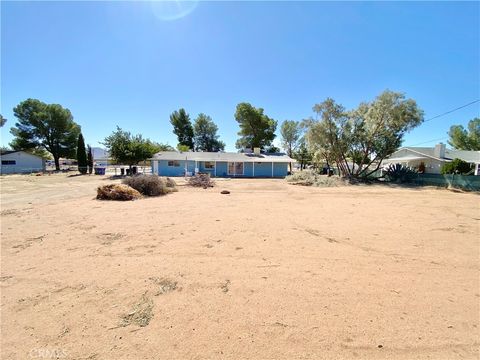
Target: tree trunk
x,y
57,162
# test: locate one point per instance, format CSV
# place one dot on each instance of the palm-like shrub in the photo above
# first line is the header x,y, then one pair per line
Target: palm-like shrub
x,y
400,173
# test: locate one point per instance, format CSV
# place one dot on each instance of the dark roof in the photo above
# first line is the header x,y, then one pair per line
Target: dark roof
x,y
6,152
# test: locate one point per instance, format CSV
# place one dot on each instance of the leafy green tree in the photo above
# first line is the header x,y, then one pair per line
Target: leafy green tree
x,y
183,148
182,127
163,147
129,149
45,126
81,155
357,141
456,166
291,132
465,139
256,128
2,120
89,159
205,134
303,155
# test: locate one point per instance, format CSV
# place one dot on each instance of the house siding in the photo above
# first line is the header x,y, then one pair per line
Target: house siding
x,y
24,163
262,169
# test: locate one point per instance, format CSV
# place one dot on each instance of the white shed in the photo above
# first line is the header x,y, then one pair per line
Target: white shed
x,y
18,162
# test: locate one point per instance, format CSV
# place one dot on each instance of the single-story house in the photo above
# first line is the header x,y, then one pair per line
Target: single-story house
x,y
220,164
432,157
18,162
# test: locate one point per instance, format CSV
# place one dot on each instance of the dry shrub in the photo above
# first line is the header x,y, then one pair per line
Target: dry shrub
x,y
141,313
201,180
117,192
171,184
310,178
151,185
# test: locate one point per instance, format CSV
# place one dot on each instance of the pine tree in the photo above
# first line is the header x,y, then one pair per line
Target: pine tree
x,y
90,160
81,155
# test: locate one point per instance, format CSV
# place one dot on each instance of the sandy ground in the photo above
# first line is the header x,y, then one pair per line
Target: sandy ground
x,y
271,271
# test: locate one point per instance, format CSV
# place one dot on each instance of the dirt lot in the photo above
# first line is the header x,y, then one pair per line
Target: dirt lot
x,y
271,271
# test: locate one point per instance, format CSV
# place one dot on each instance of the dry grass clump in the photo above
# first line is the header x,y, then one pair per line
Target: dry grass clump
x,y
164,285
310,178
117,192
201,180
141,314
151,185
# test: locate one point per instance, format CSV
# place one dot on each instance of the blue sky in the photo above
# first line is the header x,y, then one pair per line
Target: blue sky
x,y
126,64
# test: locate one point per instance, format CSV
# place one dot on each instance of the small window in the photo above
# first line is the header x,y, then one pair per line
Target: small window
x,y
9,162
174,163
209,165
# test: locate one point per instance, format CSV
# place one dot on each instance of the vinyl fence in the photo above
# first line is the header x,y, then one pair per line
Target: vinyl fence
x,y
467,182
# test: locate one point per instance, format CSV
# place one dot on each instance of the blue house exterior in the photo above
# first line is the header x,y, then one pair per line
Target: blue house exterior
x,y
221,164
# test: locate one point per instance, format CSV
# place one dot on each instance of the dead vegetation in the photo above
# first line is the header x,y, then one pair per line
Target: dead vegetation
x,y
141,314
164,285
201,180
118,192
151,185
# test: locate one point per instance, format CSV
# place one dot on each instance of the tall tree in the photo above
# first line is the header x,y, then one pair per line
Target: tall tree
x,y
357,141
81,155
205,132
129,149
162,147
465,139
89,159
291,132
47,126
256,128
303,155
2,120
182,127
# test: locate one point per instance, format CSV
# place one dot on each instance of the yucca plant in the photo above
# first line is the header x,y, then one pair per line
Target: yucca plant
x,y
400,173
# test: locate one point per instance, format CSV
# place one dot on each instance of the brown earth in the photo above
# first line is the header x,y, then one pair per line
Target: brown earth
x,y
270,271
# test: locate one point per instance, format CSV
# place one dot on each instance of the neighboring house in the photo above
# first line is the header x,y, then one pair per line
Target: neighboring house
x,y
101,157
17,162
432,157
220,164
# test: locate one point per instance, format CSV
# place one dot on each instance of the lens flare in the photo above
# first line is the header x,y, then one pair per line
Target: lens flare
x,y
172,10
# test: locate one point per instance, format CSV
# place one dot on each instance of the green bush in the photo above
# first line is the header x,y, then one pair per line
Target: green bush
x,y
456,166
150,185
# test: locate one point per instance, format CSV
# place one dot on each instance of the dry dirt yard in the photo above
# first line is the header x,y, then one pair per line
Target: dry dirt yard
x,y
271,271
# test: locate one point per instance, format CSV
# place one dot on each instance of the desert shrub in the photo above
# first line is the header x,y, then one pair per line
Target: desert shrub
x,y
201,180
117,192
456,166
310,178
399,173
150,185
171,184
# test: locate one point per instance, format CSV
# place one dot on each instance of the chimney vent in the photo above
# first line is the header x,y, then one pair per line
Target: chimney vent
x,y
439,151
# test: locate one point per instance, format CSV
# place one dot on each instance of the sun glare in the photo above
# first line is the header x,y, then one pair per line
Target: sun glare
x,y
172,10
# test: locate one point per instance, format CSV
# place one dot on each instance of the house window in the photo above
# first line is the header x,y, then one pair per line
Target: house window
x,y
9,162
235,168
174,163
209,165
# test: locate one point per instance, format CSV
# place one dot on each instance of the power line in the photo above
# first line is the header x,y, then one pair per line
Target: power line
x,y
449,112
426,142
445,113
